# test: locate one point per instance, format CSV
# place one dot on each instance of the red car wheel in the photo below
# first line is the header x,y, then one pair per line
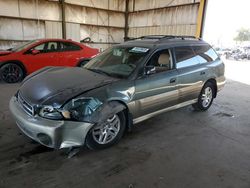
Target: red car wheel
x,y
11,73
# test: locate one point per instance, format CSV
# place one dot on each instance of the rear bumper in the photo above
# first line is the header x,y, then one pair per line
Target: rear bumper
x,y
221,81
51,133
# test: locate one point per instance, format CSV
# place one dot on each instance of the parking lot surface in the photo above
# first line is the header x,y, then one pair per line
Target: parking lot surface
x,y
181,148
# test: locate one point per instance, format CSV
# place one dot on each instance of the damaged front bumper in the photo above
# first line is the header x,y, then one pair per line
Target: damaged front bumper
x,y
51,133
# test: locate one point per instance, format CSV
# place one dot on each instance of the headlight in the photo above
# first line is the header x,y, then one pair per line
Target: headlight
x,y
50,112
80,108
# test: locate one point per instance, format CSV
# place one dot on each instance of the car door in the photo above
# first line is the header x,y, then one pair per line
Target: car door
x,y
157,90
70,54
190,73
47,55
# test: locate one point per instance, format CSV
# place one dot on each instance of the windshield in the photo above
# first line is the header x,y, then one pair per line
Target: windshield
x,y
20,47
117,61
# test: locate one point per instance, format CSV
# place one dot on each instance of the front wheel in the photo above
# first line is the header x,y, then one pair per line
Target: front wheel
x,y
11,73
206,97
107,133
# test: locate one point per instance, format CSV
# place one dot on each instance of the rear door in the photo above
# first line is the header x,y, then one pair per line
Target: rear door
x,y
70,54
191,73
158,90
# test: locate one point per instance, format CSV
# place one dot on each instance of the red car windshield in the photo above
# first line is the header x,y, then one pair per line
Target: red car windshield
x,y
20,47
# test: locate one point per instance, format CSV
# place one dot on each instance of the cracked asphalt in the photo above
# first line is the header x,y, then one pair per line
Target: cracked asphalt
x,y
181,148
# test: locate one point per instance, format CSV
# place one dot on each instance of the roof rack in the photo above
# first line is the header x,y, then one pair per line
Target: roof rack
x,y
164,37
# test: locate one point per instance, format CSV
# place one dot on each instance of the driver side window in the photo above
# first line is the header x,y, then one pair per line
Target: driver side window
x,y
47,47
40,47
161,61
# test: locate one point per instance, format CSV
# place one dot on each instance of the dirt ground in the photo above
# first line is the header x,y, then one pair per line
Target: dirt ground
x,y
181,148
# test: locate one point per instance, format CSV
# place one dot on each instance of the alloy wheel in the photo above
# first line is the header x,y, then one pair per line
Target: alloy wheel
x,y
107,131
207,97
11,73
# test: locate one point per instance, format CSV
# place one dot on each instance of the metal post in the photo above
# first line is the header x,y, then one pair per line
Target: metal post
x,y
201,18
126,21
63,18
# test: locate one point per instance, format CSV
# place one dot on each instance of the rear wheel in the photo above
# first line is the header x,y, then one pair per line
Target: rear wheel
x,y
206,97
82,63
108,133
11,73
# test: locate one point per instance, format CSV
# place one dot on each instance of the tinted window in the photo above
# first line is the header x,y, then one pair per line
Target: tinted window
x,y
67,46
161,60
185,57
52,46
205,53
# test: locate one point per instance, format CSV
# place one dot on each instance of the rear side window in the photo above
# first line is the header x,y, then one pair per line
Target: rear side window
x,y
185,57
67,46
205,53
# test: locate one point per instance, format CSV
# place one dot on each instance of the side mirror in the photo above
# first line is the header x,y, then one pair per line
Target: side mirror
x,y
149,70
34,52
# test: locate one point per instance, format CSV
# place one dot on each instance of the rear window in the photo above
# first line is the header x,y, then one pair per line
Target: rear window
x,y
185,57
205,53
67,46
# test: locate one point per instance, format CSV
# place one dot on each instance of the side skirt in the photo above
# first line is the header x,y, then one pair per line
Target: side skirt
x,y
142,118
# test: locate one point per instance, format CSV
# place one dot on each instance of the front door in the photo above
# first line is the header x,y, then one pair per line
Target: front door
x,y
48,56
157,89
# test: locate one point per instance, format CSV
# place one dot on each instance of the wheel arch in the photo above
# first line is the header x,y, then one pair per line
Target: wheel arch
x,y
214,82
82,60
128,115
18,63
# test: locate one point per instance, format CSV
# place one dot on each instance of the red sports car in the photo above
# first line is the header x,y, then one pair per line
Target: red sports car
x,y
22,60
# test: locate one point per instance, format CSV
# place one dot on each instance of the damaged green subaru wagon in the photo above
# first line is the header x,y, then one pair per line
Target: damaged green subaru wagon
x,y
126,84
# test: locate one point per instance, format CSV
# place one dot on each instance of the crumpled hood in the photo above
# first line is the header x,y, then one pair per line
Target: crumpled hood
x,y
56,85
2,53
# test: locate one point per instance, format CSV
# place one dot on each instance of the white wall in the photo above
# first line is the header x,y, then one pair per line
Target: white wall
x,y
102,20
168,18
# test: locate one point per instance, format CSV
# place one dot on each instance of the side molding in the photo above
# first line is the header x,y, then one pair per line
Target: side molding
x,y
142,118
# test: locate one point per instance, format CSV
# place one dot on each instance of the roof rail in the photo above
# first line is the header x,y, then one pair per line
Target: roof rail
x,y
183,37
164,37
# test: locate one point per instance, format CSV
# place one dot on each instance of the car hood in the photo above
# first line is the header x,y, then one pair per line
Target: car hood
x,y
56,85
2,53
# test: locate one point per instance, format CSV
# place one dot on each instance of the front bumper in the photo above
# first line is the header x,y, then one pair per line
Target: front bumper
x,y
51,133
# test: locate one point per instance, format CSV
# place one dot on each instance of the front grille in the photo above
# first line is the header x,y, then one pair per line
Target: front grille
x,y
26,106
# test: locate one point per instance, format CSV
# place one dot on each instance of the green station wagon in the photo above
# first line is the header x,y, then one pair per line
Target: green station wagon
x,y
126,84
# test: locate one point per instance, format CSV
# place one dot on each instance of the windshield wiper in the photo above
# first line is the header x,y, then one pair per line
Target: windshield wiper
x,y
106,73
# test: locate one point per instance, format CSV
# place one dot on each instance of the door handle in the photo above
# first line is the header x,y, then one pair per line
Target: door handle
x,y
202,72
172,80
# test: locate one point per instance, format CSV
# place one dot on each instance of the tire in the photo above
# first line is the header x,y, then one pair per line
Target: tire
x,y
82,63
93,140
206,97
11,73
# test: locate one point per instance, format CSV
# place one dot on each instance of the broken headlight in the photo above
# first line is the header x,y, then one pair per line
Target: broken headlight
x,y
80,109
50,112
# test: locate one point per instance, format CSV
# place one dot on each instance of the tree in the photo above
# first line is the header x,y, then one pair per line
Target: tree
x,y
242,35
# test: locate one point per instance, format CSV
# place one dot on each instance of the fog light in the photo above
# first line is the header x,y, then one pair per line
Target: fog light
x,y
44,139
